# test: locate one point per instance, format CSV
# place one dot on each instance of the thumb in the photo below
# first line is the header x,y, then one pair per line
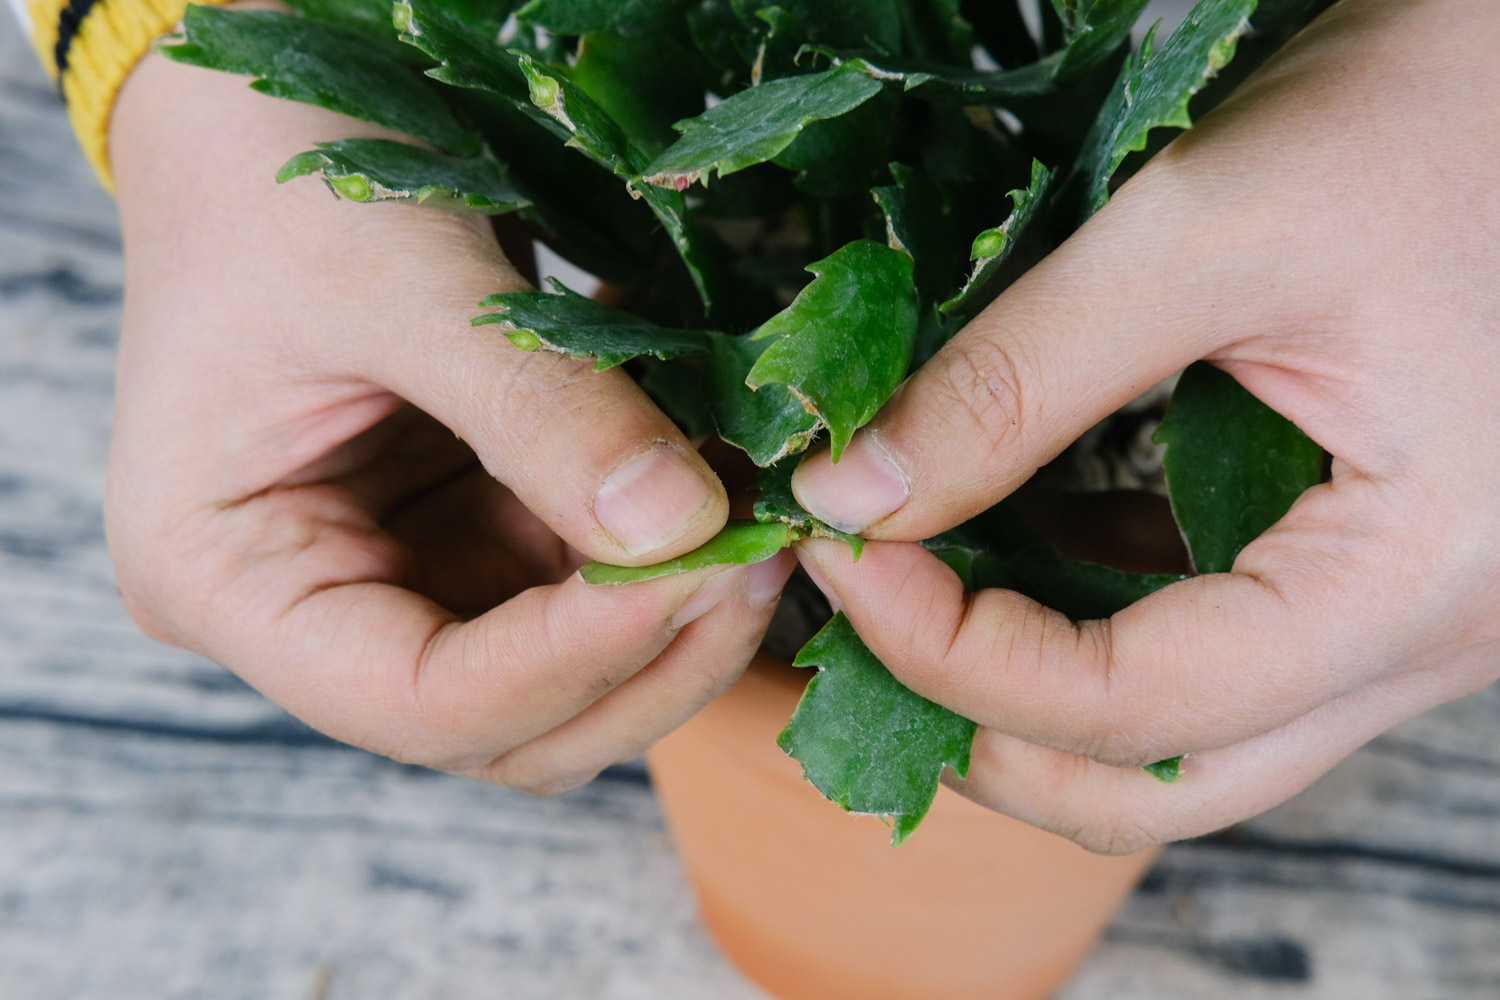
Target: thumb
x,y
1088,329
586,451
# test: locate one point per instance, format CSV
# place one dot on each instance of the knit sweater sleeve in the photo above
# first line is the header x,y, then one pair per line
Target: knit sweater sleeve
x,y
89,48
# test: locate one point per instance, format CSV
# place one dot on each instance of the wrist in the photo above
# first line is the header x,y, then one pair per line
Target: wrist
x,y
90,47
195,154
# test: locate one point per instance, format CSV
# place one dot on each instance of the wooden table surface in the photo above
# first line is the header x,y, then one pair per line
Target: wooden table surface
x,y
167,833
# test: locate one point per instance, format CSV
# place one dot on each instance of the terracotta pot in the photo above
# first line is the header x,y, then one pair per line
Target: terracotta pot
x,y
810,902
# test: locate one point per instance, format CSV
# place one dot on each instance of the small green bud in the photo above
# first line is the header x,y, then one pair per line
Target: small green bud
x,y
544,89
988,244
401,17
524,339
351,186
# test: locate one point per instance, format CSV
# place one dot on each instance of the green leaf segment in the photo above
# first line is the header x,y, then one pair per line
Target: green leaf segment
x,y
768,424
325,65
755,125
1166,771
740,543
1234,465
998,549
574,17
867,741
846,340
993,247
571,324
1154,89
383,170
1093,35
470,59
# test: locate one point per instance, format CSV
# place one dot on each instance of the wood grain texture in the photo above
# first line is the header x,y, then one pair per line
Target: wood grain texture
x,y
166,833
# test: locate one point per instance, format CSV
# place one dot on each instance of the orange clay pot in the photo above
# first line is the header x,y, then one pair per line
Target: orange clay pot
x,y
813,903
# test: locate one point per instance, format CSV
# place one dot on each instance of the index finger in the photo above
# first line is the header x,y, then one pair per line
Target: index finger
x,y
315,618
1073,340
1204,663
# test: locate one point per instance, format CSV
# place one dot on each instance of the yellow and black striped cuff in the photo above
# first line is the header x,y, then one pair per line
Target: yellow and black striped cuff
x,y
89,47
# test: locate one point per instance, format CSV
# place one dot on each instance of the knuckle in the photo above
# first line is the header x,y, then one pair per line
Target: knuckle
x,y
528,774
982,378
708,678
166,569
1093,817
1120,740
419,742
1110,831
520,406
930,652
509,407
1122,749
160,601
143,610
1115,731
1114,836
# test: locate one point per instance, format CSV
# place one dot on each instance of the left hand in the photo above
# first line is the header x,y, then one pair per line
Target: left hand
x,y
322,477
1348,279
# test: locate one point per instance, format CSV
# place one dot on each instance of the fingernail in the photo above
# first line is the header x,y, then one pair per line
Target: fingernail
x,y
862,488
816,576
708,596
652,500
764,580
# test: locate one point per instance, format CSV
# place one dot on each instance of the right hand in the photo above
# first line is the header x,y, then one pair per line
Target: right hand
x,y
1349,281
324,479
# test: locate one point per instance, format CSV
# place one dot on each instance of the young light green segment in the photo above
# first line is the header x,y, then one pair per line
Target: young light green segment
x,y
865,740
779,522
383,170
739,543
846,340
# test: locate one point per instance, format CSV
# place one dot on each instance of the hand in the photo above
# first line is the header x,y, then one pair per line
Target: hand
x,y
1331,237
323,478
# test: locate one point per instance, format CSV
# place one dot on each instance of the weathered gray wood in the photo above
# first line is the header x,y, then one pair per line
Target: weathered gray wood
x,y
166,833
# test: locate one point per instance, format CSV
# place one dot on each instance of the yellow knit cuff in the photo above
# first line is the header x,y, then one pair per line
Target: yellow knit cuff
x,y
110,38
44,15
